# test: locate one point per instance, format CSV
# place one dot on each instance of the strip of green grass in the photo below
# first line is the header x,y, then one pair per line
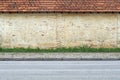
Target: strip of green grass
x,y
75,49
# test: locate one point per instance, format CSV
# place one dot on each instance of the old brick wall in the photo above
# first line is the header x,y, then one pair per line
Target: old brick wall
x,y
49,30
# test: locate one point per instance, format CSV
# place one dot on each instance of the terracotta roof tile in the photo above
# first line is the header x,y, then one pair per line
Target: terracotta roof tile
x,y
59,5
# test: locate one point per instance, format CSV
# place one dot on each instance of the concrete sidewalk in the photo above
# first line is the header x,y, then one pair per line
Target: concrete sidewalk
x,y
59,56
59,70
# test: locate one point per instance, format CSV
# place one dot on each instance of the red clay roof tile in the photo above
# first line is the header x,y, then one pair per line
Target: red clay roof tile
x,y
59,5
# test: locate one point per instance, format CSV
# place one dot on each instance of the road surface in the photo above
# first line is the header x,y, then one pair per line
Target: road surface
x,y
59,70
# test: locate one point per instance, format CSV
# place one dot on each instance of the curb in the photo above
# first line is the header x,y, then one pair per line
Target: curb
x,y
58,56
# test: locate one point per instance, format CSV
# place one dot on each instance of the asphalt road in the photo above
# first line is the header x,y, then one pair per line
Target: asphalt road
x,y
59,70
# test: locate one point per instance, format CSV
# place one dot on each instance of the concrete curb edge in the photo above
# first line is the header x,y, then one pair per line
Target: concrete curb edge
x,y
58,56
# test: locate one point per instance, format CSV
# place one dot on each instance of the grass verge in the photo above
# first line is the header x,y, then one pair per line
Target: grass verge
x,y
75,49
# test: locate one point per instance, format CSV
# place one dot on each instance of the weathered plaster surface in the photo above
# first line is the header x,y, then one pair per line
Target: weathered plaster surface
x,y
49,30
90,29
